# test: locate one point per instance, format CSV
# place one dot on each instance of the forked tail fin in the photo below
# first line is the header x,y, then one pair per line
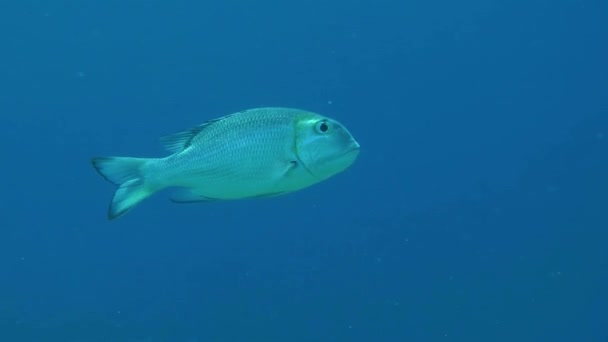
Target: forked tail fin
x,y
127,173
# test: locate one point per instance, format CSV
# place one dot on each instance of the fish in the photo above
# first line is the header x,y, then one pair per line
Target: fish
x,y
254,153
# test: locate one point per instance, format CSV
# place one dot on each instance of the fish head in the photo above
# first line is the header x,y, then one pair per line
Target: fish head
x,y
324,146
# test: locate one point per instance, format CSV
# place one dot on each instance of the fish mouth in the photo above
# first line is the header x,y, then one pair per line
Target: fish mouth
x,y
351,151
348,156
355,148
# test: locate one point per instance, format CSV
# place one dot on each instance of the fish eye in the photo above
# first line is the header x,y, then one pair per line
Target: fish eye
x,y
322,127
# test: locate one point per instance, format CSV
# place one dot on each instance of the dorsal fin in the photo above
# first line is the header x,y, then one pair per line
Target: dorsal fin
x,y
179,141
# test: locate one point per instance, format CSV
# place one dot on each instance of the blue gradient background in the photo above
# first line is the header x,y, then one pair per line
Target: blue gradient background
x,y
477,210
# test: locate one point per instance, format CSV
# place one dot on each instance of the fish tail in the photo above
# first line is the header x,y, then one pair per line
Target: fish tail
x,y
127,173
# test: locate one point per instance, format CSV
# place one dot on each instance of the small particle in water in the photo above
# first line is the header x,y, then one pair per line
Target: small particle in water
x,y
330,102
551,188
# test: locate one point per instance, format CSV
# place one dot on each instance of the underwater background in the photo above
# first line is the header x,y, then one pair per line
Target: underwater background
x,y
477,210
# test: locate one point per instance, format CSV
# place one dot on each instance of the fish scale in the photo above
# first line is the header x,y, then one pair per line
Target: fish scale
x,y
236,140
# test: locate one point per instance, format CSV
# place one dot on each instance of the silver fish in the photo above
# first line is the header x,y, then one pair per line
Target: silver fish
x,y
261,152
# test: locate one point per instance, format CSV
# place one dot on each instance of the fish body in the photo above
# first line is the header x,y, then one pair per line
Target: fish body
x,y
261,152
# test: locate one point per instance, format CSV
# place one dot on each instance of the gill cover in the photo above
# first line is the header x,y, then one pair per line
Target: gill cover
x,y
324,146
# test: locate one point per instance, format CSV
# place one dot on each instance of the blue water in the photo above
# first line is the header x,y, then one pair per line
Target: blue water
x,y
477,210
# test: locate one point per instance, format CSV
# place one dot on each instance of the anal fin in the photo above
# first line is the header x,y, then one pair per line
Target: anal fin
x,y
189,196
